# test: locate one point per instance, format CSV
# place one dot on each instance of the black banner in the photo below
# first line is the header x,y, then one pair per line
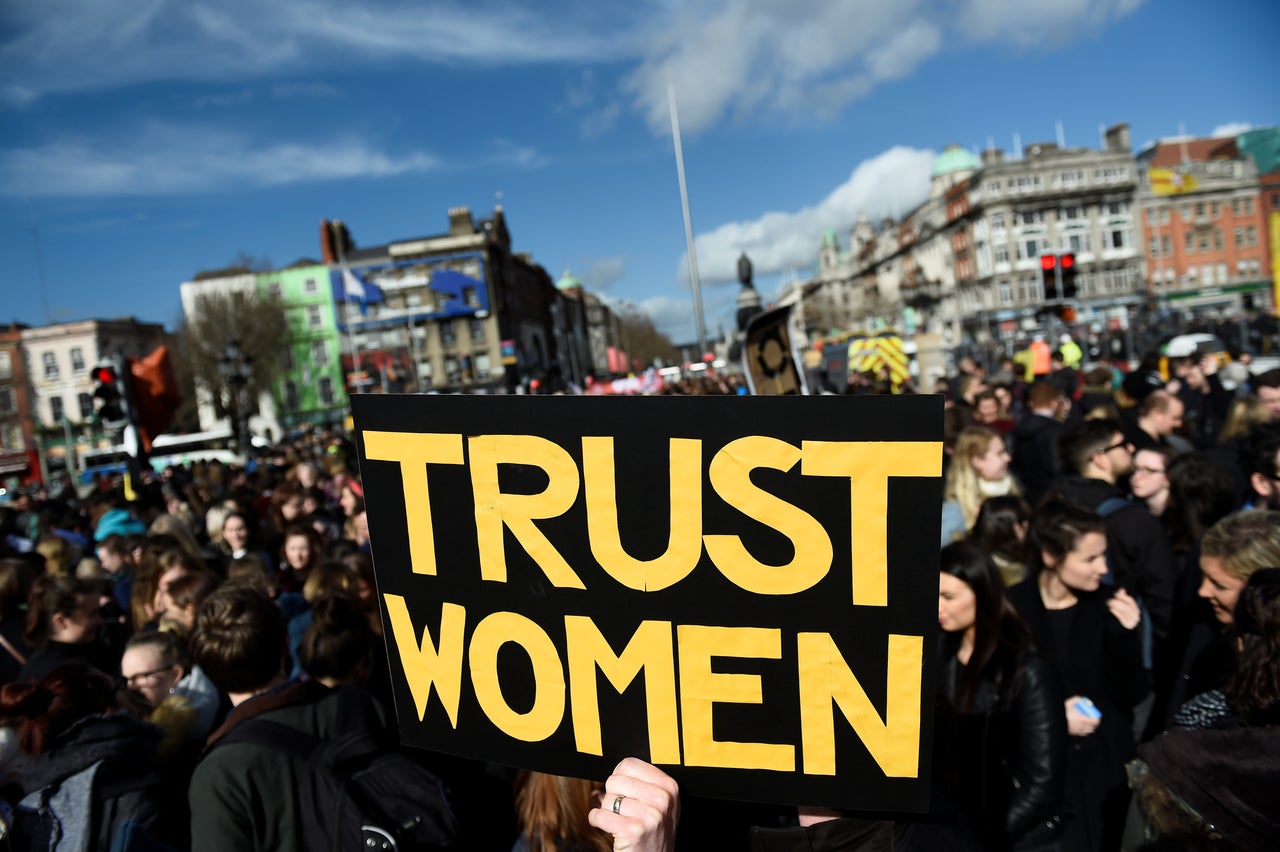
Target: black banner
x,y
741,590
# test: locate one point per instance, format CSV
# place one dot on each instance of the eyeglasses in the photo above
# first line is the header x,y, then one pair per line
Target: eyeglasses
x,y
132,679
1111,447
1149,470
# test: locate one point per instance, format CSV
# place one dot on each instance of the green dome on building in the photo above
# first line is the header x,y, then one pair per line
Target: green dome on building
x,y
568,282
954,158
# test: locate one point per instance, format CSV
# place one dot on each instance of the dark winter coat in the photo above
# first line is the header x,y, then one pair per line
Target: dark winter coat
x,y
1103,662
128,786
1005,756
245,796
1138,550
1036,461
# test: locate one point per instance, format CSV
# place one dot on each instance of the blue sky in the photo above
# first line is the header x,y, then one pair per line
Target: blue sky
x,y
143,140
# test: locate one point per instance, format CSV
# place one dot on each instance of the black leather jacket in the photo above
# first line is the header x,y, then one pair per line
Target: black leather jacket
x,y
1004,758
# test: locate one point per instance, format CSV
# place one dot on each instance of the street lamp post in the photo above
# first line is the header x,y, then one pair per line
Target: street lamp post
x,y
235,368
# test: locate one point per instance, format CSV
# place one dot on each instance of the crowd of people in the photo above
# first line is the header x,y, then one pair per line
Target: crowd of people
x,y
1108,662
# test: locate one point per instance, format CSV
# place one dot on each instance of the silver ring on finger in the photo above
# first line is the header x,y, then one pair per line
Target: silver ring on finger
x,y
617,804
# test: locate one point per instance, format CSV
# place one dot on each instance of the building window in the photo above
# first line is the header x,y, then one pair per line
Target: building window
x,y
1239,237
1166,243
320,353
326,390
471,296
1248,204
1006,294
6,400
11,437
287,361
1117,208
483,364
55,408
315,316
997,221
1251,236
993,187
291,400
1191,242
273,291
477,330
310,287
6,365
1072,214
424,374
1215,210
1118,238
1204,242
1217,239
86,406
1027,217
1155,247
453,373
1206,274
447,334
1235,206
1002,253
1222,272
1030,248
1080,243
50,366
77,360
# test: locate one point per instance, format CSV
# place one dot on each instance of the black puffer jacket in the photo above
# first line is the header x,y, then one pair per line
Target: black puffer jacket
x,y
1004,757
128,786
1036,462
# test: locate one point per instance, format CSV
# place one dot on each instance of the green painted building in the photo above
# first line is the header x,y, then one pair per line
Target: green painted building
x,y
310,388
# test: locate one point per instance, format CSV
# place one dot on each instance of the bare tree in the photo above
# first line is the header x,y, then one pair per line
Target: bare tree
x,y
643,341
257,324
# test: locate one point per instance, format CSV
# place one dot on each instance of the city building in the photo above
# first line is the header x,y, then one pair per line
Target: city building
x,y
1204,229
60,359
965,263
310,388
19,461
458,311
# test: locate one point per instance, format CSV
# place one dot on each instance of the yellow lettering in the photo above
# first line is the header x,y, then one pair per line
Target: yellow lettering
x,y
414,452
649,649
701,689
426,665
542,719
825,678
730,475
684,546
869,466
518,511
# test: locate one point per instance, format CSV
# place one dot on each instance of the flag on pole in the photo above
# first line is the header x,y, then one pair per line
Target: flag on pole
x,y
356,289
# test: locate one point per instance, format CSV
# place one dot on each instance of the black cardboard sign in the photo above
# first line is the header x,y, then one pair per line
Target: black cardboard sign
x,y
741,590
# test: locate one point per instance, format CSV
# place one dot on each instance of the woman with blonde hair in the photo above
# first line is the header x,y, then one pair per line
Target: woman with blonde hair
x,y
979,469
1244,413
178,530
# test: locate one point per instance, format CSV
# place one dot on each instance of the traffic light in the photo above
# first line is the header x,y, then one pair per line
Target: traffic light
x,y
1049,276
1067,266
109,391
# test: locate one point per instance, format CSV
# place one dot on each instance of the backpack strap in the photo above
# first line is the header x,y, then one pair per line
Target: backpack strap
x,y
274,735
13,652
1111,505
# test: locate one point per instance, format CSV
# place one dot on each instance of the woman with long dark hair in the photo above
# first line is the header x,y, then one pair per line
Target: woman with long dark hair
x,y
64,620
1001,530
1004,739
1090,634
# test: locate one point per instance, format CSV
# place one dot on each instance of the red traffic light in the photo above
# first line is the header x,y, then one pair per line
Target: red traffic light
x,y
1048,261
105,375
1068,261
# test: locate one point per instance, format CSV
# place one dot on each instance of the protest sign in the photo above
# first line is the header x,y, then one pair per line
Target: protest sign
x,y
741,590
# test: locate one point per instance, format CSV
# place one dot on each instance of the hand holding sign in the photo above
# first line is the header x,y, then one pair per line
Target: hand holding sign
x,y
640,807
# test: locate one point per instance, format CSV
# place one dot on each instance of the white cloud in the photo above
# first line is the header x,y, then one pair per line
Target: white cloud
x,y
601,273
166,159
509,153
1027,23
1232,128
888,184
77,45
